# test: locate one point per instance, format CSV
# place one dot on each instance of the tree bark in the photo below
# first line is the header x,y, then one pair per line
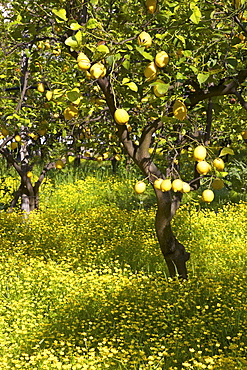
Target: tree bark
x,y
173,251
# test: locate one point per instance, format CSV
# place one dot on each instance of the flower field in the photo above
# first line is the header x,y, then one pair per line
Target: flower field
x,y
84,286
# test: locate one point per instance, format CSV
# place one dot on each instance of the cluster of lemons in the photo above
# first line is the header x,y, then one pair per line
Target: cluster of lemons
x,y
178,185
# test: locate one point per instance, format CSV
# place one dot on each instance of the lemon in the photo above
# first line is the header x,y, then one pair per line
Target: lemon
x,y
244,134
179,110
157,183
199,153
217,184
41,87
151,71
13,145
83,62
59,164
219,164
144,39
186,187
166,185
98,70
70,112
208,195
17,138
177,185
161,59
140,187
151,6
121,116
203,167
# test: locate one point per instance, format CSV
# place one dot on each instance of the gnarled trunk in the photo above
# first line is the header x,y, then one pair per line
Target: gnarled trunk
x,y
174,252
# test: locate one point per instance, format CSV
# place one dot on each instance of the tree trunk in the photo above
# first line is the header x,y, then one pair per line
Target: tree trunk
x,y
174,252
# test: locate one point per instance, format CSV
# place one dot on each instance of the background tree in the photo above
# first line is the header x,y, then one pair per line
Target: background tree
x,y
176,70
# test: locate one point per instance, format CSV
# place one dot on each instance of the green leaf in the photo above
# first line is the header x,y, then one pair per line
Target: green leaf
x,y
74,94
74,41
126,62
103,49
92,23
60,14
196,15
182,39
202,77
144,53
132,86
75,26
226,151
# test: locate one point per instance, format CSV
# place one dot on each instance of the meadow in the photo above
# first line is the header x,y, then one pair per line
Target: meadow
x,y
84,285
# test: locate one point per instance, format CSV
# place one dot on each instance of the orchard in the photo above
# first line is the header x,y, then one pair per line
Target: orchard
x,y
163,83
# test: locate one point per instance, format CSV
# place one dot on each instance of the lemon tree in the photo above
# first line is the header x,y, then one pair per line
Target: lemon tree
x,y
155,80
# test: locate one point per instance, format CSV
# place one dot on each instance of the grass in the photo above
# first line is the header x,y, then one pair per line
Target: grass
x,y
84,286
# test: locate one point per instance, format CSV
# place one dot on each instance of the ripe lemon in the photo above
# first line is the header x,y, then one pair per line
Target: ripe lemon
x,y
49,95
179,110
157,183
203,167
140,187
70,112
83,62
199,153
13,145
17,138
151,71
244,134
59,164
41,87
161,59
121,116
208,195
5,132
166,185
144,39
98,70
177,185
219,164
29,174
151,6
217,184
186,187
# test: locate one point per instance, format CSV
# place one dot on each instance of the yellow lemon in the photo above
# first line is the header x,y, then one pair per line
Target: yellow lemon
x,y
13,145
157,183
151,71
177,185
199,153
59,164
29,174
140,187
98,70
203,167
151,6
186,187
219,164
166,185
161,59
244,134
17,138
155,88
70,112
83,62
179,110
208,195
121,116
144,39
41,87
